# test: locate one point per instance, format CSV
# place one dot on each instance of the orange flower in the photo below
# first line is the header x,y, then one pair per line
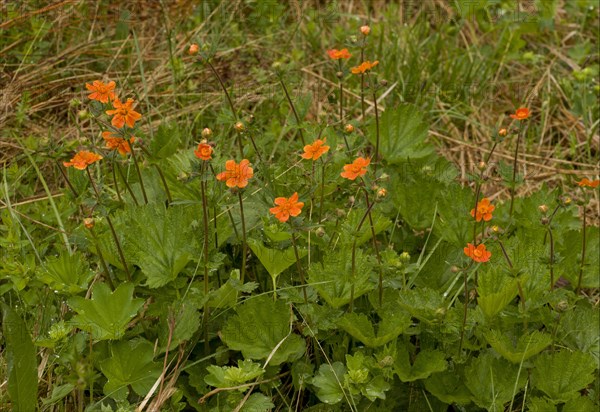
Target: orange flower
x,y
364,67
236,174
365,30
100,91
82,160
315,150
589,183
336,54
116,143
356,168
484,210
522,113
123,114
286,207
478,254
204,151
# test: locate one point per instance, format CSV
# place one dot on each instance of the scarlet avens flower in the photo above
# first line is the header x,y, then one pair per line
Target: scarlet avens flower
x,y
364,67
336,54
236,175
484,210
522,113
100,91
117,143
123,114
82,160
315,150
286,207
356,168
365,30
204,151
585,182
478,254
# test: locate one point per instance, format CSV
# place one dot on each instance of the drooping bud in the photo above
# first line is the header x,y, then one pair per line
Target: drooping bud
x,y
365,30
194,49
206,133
239,127
89,222
349,128
543,209
502,132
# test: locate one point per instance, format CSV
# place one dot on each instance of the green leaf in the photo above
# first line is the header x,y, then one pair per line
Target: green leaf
x,y
496,290
349,234
227,376
390,327
492,381
402,134
328,382
333,279
423,303
21,362
58,392
561,375
258,402
427,361
527,345
258,327
166,140
540,405
275,260
187,322
67,273
107,313
579,329
130,363
581,404
160,240
449,387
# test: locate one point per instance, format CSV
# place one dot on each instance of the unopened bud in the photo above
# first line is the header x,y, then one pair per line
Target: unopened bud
x,y
320,232
383,83
353,39
194,49
89,222
544,221
405,257
481,165
562,306
83,114
239,127
567,200
339,75
351,200
495,229
502,132
381,193
386,361
454,269
384,177
349,128
74,102
340,212
543,209
206,133
365,30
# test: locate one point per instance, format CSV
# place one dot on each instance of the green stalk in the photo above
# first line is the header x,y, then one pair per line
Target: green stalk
x,y
287,95
514,176
583,242
126,184
300,269
351,307
244,242
376,126
139,173
205,253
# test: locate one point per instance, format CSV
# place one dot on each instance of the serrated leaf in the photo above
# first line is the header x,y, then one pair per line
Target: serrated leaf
x,y
226,376
107,313
275,260
581,404
333,279
561,375
389,328
349,234
527,345
329,381
449,387
130,363
187,322
402,134
165,141
496,290
426,362
58,392
580,329
67,273
259,325
422,303
21,362
492,381
258,402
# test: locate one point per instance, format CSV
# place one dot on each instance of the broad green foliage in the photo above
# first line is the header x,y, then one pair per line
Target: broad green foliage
x,y
390,327
129,363
496,291
274,260
527,345
423,364
226,376
561,375
67,273
107,313
449,386
261,329
329,383
20,361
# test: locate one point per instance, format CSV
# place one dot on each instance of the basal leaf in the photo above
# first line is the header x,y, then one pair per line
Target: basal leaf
x,y
67,273
130,363
561,375
449,387
258,402
333,279
107,313
579,329
165,140
402,134
492,381
349,234
496,290
425,363
258,326
422,303
329,382
226,376
389,328
20,361
527,345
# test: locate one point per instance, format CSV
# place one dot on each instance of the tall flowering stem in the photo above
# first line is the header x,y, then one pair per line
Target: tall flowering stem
x,y
520,115
585,183
374,241
112,228
376,127
205,253
244,240
351,306
139,173
291,103
300,268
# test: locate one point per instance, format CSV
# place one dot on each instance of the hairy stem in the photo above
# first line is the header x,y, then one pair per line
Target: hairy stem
x,y
244,242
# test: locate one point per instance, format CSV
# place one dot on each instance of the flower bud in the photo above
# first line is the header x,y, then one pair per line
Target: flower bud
x,y
562,306
481,165
351,200
239,127
405,257
83,114
74,102
320,232
567,200
384,177
544,221
543,209
194,49
454,269
386,361
502,132
353,39
365,30
340,212
381,193
89,222
206,133
339,75
349,128
383,83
